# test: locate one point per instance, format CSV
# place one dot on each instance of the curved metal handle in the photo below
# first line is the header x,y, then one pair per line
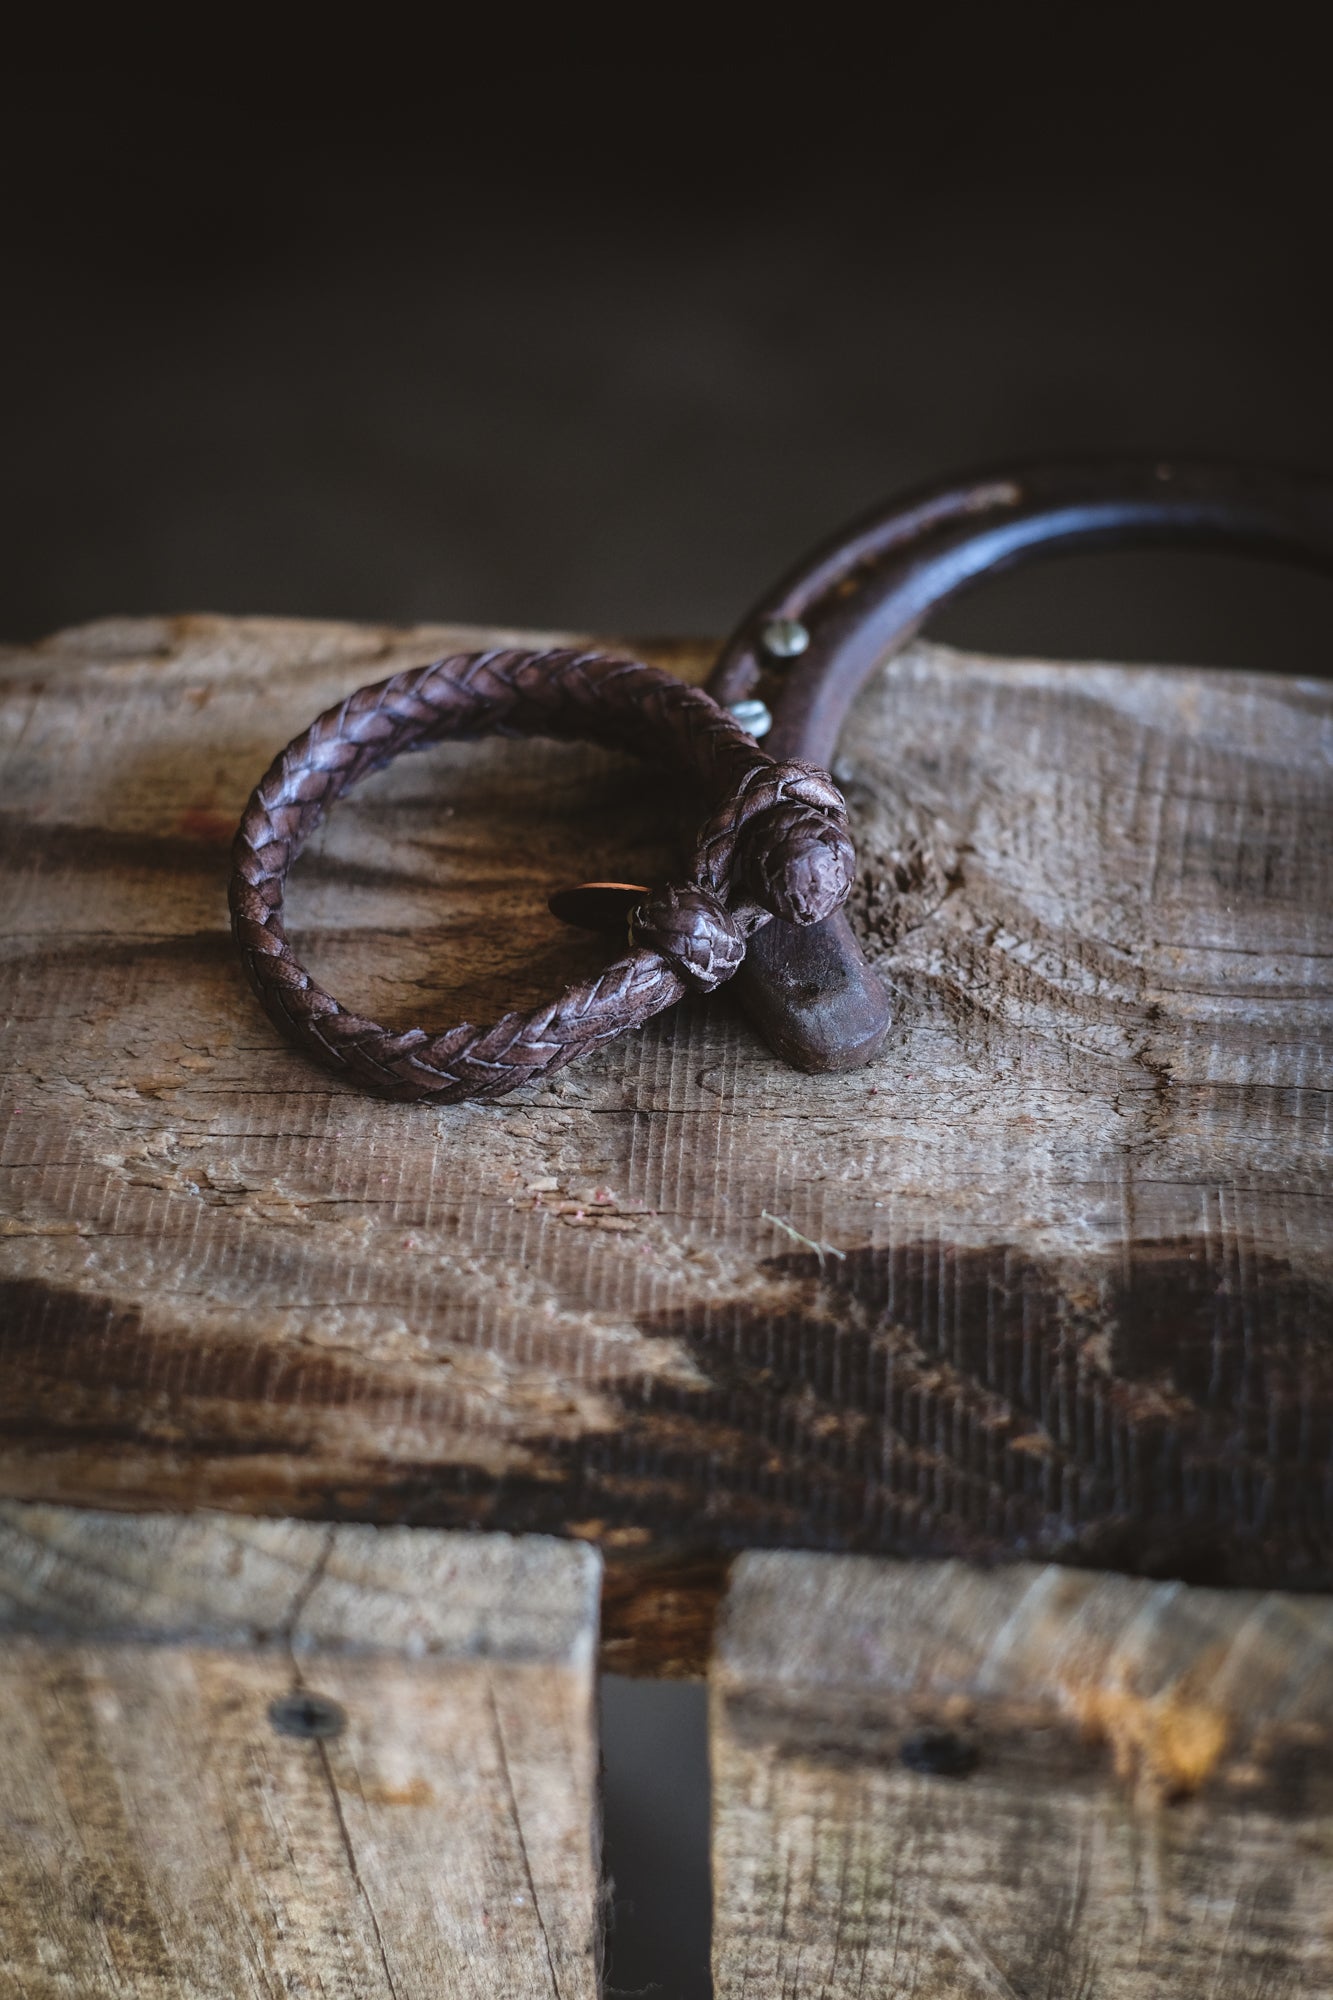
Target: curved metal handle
x,y
865,593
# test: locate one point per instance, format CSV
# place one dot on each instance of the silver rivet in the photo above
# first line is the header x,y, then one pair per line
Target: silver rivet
x,y
304,1714
753,716
784,638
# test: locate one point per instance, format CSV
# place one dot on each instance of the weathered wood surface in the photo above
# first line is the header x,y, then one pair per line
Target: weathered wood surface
x,y
1055,1277
159,1838
1035,1782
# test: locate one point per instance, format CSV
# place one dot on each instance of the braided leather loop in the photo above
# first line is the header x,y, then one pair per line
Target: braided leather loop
x,y
776,843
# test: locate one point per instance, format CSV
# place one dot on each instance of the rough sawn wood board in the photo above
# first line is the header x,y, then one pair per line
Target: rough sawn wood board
x,y
1054,1277
1023,1785
160,1839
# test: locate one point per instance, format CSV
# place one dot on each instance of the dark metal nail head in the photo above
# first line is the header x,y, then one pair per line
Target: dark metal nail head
x,y
312,1716
939,1753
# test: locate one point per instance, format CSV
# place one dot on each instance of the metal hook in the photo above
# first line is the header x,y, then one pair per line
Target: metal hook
x,y
807,649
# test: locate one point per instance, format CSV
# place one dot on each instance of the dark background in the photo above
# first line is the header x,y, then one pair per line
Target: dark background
x,y
604,345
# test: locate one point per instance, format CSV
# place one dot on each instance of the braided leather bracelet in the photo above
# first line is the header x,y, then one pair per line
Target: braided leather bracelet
x,y
775,844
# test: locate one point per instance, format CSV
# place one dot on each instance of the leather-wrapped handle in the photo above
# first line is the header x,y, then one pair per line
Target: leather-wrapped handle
x,y
865,593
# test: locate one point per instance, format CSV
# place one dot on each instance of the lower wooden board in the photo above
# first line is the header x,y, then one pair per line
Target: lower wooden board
x,y
160,1838
1024,1785
1053,1278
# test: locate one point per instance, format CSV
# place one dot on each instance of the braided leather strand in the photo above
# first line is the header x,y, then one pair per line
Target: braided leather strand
x,y
743,872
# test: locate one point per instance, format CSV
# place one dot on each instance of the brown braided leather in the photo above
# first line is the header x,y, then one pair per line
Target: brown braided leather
x,y
775,843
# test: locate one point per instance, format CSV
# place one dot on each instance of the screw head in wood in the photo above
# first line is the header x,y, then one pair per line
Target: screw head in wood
x,y
312,1716
784,638
939,1753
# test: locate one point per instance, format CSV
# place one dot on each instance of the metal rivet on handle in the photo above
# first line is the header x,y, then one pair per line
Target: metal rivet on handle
x,y
784,638
753,716
308,1715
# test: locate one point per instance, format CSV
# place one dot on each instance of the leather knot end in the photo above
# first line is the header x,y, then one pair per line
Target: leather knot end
x,y
694,933
798,859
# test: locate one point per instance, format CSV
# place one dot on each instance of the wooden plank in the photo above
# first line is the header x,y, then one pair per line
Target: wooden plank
x,y
934,1781
159,1837
1054,1278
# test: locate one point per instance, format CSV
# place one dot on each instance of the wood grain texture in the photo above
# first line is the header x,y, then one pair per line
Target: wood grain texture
x,y
1055,1277
158,1838
938,1782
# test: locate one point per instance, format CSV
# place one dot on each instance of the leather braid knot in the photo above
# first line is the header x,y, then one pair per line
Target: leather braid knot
x,y
694,932
799,862
785,835
776,845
